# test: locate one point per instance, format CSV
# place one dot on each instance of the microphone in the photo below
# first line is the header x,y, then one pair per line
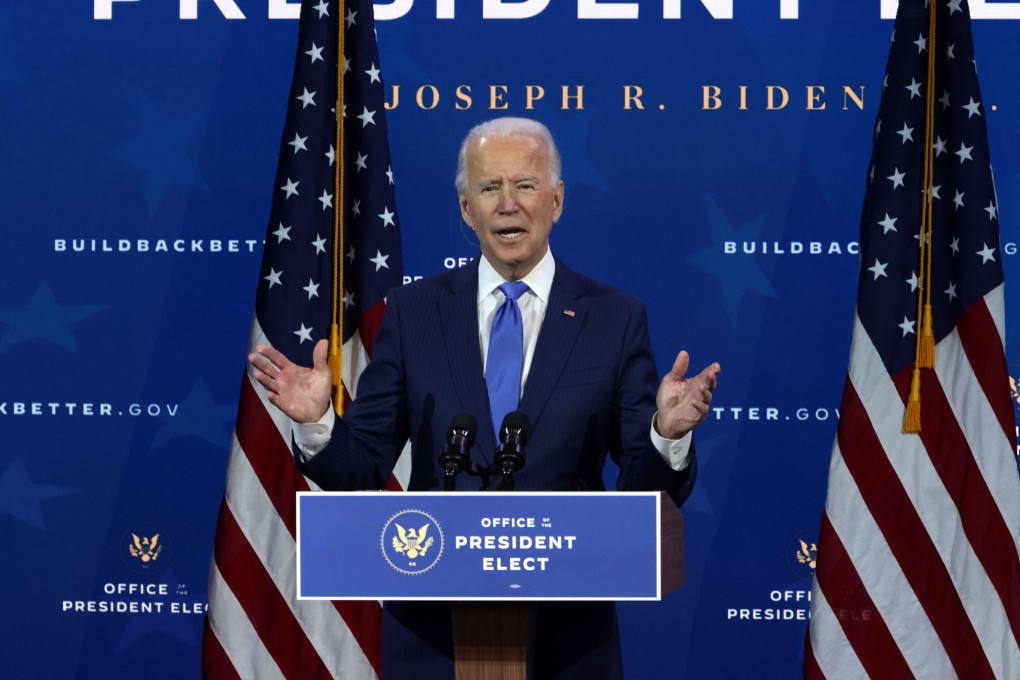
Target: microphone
x,y
459,440
513,435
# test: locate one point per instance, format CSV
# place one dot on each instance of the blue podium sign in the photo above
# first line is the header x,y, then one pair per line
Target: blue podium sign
x,y
479,546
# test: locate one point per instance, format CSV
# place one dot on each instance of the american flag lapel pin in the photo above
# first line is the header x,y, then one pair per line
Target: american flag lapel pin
x,y
569,312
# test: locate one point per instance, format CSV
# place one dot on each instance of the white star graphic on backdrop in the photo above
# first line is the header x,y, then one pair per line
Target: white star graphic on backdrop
x,y
878,269
987,254
299,143
350,255
885,81
951,291
949,52
389,173
282,233
348,299
889,224
921,42
291,188
312,289
379,260
331,155
326,199
992,210
304,333
347,67
315,53
907,133
349,19
274,278
367,117
907,326
955,245
964,153
972,108
319,243
307,98
935,191
914,87
356,207
913,281
939,146
360,162
954,7
387,216
323,9
373,74
897,178
871,174
945,100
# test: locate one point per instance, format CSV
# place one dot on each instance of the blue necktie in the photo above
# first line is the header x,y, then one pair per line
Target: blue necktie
x,y
505,360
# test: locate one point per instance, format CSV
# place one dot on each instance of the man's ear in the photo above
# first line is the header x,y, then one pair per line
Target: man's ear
x,y
558,202
465,214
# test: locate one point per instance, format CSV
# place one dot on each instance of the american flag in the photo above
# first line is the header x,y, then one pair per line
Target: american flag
x,y
255,627
918,571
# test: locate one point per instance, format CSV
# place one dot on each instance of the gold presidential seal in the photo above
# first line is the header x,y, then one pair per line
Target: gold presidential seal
x,y
412,542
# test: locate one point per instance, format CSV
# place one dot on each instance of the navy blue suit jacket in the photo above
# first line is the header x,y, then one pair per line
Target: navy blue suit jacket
x,y
590,392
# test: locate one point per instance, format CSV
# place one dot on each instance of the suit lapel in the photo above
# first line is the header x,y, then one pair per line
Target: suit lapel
x,y
564,317
459,314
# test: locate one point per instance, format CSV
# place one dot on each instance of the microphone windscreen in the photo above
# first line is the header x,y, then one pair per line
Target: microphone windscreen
x,y
465,422
515,420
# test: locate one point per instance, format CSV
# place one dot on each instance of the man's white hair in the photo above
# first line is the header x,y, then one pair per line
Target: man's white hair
x,y
508,127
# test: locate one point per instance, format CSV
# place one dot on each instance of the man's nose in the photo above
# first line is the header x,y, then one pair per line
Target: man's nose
x,y
508,201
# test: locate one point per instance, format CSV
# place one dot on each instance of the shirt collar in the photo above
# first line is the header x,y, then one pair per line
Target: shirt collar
x,y
539,279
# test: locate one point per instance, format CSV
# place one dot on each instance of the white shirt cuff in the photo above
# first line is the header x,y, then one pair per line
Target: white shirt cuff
x,y
673,451
313,437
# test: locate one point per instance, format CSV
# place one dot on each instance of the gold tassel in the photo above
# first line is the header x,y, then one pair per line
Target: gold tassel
x,y
912,421
336,365
926,353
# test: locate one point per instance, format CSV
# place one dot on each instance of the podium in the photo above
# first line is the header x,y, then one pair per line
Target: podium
x,y
490,555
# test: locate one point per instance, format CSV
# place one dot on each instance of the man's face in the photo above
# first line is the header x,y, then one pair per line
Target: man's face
x,y
510,202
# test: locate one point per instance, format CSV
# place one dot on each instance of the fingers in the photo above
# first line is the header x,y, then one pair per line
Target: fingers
x,y
319,355
272,354
683,360
710,374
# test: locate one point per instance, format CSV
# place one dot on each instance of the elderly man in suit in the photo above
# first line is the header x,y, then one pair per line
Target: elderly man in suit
x,y
516,330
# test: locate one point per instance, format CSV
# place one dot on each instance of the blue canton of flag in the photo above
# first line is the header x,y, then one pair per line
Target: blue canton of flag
x,y
966,262
918,569
256,628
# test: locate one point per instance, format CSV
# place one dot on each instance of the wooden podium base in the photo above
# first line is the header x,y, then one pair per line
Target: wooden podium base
x,y
490,640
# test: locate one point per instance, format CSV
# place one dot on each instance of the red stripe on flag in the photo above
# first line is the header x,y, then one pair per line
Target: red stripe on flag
x,y
811,669
977,331
984,526
215,662
269,455
273,464
369,323
907,537
856,612
268,611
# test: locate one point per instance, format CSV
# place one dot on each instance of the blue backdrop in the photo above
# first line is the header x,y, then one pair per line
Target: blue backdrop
x,y
715,168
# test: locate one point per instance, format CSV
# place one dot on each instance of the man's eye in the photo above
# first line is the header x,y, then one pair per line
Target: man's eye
x,y
526,187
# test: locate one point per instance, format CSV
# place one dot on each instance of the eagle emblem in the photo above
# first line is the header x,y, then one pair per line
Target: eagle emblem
x,y
145,548
807,554
411,542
